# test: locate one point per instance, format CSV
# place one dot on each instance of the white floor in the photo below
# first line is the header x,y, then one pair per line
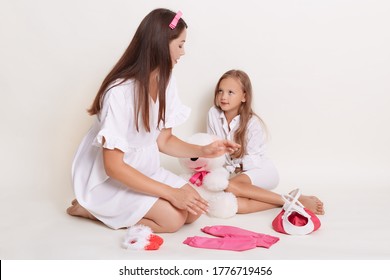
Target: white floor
x,y
356,227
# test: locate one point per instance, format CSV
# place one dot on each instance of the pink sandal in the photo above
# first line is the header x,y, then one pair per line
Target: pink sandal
x,y
294,219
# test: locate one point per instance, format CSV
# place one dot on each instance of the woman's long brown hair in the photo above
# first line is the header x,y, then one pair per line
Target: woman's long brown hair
x,y
147,51
245,111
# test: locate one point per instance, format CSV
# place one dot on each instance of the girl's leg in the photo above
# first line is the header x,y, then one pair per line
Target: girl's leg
x,y
247,205
241,186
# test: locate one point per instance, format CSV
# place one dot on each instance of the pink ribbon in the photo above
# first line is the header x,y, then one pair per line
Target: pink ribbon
x,y
197,178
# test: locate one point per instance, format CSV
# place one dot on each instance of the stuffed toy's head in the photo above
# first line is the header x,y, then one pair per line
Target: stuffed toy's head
x,y
202,164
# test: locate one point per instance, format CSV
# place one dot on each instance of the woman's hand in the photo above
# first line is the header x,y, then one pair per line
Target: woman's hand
x,y
220,147
186,198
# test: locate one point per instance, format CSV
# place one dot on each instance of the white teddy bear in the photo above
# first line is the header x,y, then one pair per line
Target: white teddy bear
x,y
210,179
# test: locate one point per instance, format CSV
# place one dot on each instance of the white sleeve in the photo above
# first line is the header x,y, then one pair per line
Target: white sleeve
x,y
115,117
176,113
212,122
255,149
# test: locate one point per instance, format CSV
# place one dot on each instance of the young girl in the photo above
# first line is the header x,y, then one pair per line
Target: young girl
x,y
116,171
253,174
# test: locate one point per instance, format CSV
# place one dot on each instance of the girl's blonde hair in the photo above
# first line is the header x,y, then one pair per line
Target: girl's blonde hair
x,y
245,111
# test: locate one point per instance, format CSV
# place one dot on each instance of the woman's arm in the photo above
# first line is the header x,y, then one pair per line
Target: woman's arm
x,y
117,169
184,198
173,146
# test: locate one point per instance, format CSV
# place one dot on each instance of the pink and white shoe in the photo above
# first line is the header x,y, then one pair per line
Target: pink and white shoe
x,y
294,219
140,237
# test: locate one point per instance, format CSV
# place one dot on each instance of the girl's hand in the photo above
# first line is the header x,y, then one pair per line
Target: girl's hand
x,y
220,147
186,198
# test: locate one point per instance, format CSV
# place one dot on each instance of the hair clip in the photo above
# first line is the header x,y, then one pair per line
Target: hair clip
x,y
173,23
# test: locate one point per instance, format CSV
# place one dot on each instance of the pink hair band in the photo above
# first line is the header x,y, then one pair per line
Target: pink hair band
x,y
175,20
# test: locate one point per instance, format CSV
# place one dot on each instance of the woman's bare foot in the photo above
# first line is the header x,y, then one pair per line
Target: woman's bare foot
x,y
313,204
77,210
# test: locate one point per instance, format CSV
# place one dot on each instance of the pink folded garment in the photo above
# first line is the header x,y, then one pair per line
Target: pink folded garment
x,y
227,243
262,240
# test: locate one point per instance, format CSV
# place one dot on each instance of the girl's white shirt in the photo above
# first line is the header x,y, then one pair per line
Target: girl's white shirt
x,y
217,124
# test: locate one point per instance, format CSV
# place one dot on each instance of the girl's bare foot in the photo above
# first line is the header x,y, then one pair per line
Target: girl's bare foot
x,y
77,210
313,204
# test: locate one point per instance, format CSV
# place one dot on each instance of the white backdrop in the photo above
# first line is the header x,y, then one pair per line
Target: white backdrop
x,y
320,72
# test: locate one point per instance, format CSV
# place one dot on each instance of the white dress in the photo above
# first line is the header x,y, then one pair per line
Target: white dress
x,y
107,199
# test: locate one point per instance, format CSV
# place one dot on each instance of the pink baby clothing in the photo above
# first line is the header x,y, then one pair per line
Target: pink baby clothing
x,y
227,243
231,238
262,240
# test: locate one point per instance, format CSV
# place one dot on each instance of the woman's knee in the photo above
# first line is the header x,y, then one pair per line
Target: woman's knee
x,y
166,216
179,219
175,221
192,218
